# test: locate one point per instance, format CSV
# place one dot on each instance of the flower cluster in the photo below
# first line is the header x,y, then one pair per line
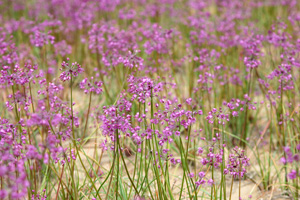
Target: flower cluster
x,y
168,90
252,47
142,88
218,115
70,71
291,158
237,163
214,155
91,86
39,39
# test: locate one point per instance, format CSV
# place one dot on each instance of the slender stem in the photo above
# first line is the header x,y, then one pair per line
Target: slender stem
x,y
135,167
31,97
231,187
15,104
110,171
297,179
244,131
158,151
72,113
87,117
212,176
62,171
118,165
181,188
128,172
223,181
74,140
88,174
240,169
112,174
101,77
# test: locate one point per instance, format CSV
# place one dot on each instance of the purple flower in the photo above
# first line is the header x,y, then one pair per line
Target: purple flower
x,y
210,182
189,101
298,147
235,113
283,160
287,149
138,198
191,175
74,70
200,150
91,86
201,174
39,39
292,174
41,119
296,157
62,48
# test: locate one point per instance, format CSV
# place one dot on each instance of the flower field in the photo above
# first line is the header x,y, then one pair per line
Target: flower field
x,y
149,99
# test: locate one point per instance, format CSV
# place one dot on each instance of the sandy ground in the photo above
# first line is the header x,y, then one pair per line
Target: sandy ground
x,y
250,186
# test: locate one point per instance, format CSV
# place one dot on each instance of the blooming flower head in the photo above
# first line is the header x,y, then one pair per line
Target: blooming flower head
x,y
237,163
292,174
91,86
68,71
39,39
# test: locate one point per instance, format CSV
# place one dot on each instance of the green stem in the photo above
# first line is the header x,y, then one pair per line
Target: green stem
x,y
111,176
118,164
87,117
128,172
74,141
231,188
